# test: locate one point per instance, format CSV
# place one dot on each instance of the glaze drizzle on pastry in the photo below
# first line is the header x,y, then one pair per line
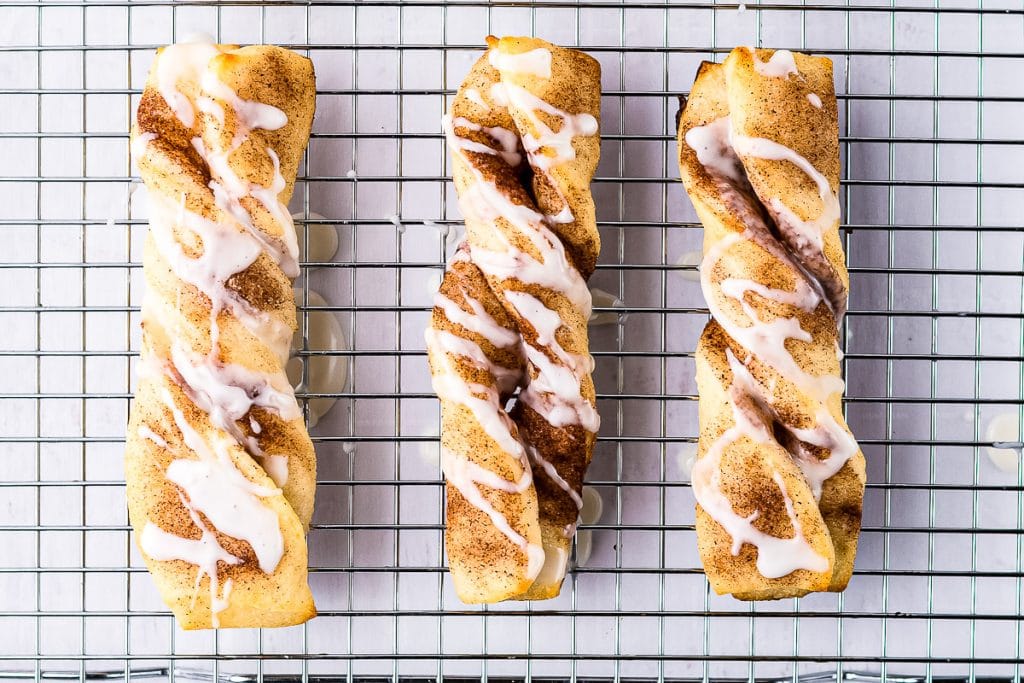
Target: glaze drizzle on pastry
x,y
511,314
772,437
234,421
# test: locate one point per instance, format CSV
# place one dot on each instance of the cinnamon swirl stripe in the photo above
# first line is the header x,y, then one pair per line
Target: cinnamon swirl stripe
x,y
779,479
512,314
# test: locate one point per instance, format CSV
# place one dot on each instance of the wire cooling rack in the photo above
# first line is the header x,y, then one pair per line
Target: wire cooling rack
x,y
930,99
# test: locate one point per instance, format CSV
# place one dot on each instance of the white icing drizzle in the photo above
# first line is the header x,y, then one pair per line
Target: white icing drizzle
x,y
220,491
459,470
828,434
713,144
808,232
227,392
506,379
560,143
146,433
717,146
194,440
479,321
803,296
564,215
204,553
228,192
465,475
268,196
219,604
780,65
555,391
473,95
766,340
490,414
182,62
533,62
190,62
276,467
553,271
226,251
498,94
140,144
230,475
487,203
814,100
553,474
776,557
719,149
231,503
249,115
483,401
506,139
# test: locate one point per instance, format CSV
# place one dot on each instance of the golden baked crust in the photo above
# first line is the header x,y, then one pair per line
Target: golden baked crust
x,y
749,238
536,184
482,561
178,316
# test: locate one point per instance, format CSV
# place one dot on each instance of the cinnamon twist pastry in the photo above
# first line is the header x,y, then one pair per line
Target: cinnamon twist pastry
x,y
220,469
512,313
779,479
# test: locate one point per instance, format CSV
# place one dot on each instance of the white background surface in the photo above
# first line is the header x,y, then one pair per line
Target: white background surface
x,y
71,583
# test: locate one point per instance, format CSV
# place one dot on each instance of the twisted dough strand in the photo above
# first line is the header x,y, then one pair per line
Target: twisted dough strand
x,y
779,480
512,312
219,466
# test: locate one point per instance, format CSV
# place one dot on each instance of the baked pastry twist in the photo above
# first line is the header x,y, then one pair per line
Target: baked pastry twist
x,y
779,479
512,313
220,469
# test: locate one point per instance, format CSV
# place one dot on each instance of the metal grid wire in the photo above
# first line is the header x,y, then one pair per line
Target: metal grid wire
x,y
930,99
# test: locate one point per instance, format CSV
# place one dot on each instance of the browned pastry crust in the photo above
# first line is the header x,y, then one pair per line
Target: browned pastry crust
x,y
486,565
482,561
178,314
752,240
